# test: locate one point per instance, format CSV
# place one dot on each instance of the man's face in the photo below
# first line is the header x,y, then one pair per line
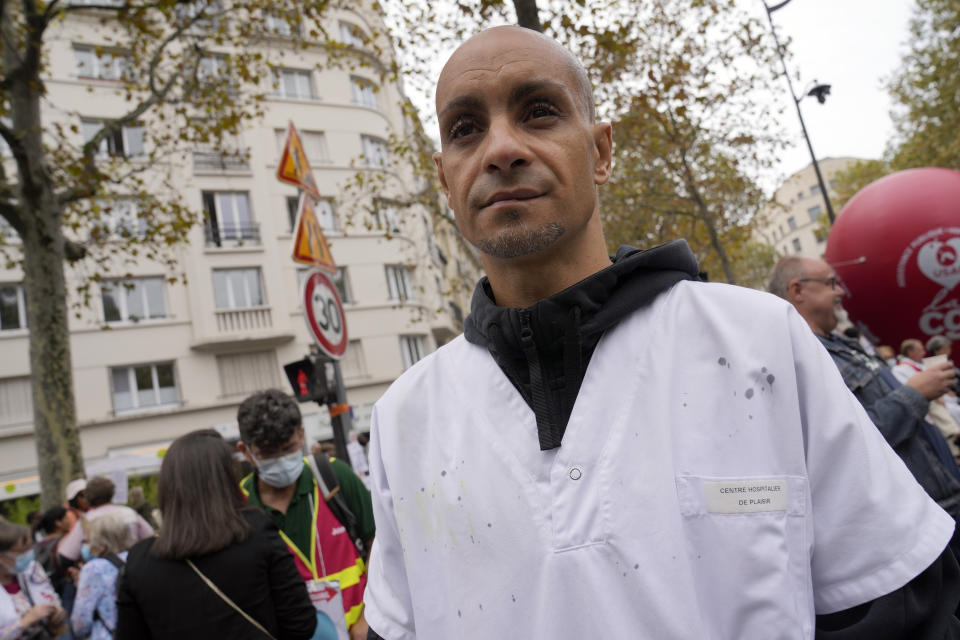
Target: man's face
x,y
816,298
520,156
916,352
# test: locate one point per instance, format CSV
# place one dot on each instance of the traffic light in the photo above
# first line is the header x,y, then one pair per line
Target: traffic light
x,y
306,384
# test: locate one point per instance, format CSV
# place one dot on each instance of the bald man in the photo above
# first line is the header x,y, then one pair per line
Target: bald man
x,y
614,449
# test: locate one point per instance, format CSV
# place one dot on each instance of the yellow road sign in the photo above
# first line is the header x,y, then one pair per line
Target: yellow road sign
x,y
294,168
309,244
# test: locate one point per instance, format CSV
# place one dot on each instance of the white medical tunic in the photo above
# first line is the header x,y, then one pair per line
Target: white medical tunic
x,y
716,480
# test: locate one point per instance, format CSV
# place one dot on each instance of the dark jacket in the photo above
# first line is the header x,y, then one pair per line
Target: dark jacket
x,y
165,599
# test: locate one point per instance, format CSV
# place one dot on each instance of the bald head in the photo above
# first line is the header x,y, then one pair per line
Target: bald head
x,y
810,286
486,50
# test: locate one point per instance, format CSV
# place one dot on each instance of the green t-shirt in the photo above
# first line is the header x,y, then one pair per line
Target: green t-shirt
x,y
297,522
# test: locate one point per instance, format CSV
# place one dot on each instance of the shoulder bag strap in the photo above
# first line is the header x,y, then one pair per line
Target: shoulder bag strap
x,y
326,477
230,602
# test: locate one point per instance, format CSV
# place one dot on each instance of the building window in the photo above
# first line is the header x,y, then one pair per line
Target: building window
x,y
199,15
133,300
340,280
238,288
105,66
143,387
126,143
13,307
282,26
351,34
16,401
314,144
353,364
796,245
324,208
412,349
244,373
228,218
364,92
293,208
122,217
792,223
295,84
374,151
386,216
814,189
814,213
398,283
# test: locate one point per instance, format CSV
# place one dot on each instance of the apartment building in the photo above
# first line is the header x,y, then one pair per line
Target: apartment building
x,y
791,221
153,359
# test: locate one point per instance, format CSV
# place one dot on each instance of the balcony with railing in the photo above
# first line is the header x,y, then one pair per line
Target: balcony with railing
x,y
241,328
207,160
243,320
247,235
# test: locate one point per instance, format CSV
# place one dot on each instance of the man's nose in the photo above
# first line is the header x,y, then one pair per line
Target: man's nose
x,y
506,149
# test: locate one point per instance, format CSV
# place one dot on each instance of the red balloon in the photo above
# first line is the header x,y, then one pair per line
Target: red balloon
x,y
896,248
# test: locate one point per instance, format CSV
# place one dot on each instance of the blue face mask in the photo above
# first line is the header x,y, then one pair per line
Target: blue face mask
x,y
23,561
85,552
282,471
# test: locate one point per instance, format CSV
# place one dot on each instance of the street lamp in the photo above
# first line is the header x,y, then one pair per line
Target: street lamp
x,y
819,91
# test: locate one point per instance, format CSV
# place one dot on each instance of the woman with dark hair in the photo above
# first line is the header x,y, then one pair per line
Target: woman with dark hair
x,y
218,568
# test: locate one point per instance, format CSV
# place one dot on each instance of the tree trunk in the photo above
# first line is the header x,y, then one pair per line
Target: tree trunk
x,y
527,15
59,457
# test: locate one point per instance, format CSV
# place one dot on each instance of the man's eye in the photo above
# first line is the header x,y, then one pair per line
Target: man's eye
x,y
462,127
541,110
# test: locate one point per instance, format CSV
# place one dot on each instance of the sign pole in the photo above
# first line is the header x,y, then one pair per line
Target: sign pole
x,y
340,419
323,309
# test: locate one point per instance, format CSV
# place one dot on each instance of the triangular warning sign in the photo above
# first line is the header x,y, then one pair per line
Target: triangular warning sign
x,y
294,168
309,244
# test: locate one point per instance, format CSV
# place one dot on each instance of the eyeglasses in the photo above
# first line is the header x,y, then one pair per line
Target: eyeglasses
x,y
829,281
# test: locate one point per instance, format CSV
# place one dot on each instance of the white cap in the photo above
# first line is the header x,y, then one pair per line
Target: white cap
x,y
74,487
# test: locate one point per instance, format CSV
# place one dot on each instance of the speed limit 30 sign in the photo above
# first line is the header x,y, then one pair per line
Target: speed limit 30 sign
x,y
324,314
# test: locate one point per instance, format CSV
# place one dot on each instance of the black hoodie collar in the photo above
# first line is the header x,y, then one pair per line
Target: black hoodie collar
x,y
544,349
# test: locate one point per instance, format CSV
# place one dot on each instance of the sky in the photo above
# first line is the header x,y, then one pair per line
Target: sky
x,y
853,45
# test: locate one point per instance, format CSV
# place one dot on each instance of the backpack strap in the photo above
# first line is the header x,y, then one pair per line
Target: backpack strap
x,y
329,487
114,559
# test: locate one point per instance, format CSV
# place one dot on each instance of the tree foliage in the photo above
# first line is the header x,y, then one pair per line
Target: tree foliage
x,y
926,89
103,193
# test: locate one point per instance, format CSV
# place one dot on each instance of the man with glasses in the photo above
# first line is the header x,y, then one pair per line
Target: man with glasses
x,y
898,410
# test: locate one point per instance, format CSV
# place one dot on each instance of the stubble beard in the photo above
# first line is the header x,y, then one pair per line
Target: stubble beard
x,y
517,239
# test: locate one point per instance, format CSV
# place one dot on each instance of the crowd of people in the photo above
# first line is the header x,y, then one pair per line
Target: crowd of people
x,y
279,553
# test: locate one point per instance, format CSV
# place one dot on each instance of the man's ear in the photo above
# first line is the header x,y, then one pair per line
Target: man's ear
x,y
438,160
795,291
242,448
603,152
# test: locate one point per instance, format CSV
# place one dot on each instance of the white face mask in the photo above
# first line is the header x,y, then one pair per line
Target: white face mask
x,y
281,471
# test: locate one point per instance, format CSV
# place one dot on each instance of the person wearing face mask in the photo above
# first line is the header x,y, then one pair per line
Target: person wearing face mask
x,y
29,606
317,513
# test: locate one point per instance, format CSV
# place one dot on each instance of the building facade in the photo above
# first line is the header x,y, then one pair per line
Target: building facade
x,y
153,359
792,220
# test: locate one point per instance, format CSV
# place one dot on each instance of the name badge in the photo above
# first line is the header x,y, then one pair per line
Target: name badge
x,y
745,496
